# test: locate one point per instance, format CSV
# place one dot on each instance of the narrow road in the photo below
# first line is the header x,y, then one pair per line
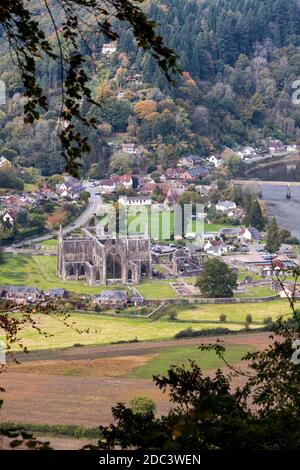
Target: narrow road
x,y
90,210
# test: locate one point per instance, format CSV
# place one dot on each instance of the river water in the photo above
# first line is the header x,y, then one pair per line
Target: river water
x,y
287,211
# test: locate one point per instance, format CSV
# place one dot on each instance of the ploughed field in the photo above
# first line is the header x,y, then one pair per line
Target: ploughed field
x,y
80,386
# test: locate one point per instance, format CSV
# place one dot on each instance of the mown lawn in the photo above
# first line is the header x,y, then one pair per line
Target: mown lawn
x,y
181,355
259,291
217,227
242,274
50,244
102,330
156,290
234,312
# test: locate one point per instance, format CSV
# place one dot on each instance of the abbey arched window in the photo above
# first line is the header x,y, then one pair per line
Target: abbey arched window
x,y
113,266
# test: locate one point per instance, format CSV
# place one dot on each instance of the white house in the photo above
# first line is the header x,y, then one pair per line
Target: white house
x,y
215,160
135,201
128,148
291,148
106,186
216,247
4,162
109,48
190,161
225,206
247,153
276,147
9,216
250,234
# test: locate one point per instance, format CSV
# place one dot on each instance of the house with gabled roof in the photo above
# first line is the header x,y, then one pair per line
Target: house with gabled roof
x,y
250,234
190,161
195,173
225,206
112,299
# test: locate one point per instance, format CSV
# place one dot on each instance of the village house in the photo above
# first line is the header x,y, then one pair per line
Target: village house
x,y
236,214
109,48
225,206
216,160
70,188
216,247
150,187
135,201
9,216
135,79
106,186
129,148
5,163
173,173
250,234
172,196
231,233
292,148
196,173
112,299
124,181
276,147
247,153
121,95
23,293
55,293
190,161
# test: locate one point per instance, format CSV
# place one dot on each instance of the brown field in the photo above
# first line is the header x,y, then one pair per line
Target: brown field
x,y
79,386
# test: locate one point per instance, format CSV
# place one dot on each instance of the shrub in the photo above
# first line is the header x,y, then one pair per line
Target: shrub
x,y
267,320
190,333
143,405
249,318
172,314
223,318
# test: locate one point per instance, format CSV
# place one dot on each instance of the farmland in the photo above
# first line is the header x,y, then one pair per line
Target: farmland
x,y
235,313
105,330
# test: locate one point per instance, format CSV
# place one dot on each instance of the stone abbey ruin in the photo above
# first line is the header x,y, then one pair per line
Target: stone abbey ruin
x,y
104,259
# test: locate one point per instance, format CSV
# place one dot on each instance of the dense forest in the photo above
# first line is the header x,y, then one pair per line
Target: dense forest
x,y
239,59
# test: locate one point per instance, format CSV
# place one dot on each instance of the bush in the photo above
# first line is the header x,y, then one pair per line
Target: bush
x,y
190,333
172,314
267,320
249,318
143,405
223,318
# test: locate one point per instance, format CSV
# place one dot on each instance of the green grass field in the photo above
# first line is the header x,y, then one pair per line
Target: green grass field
x,y
234,312
260,291
156,290
103,330
181,355
40,271
216,227
50,245
243,273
